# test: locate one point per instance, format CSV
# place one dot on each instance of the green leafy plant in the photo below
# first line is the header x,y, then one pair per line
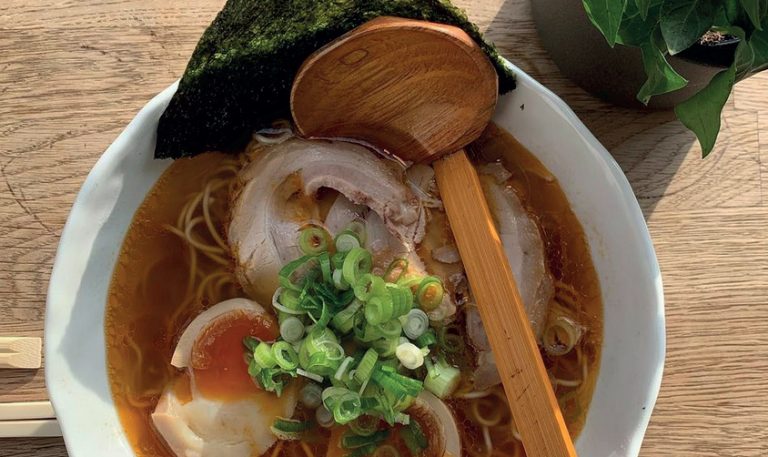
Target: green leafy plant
x,y
667,27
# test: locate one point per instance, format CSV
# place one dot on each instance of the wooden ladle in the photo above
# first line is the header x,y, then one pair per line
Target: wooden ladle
x,y
423,91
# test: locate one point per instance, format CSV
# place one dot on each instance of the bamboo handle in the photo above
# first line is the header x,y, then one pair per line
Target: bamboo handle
x,y
20,352
522,371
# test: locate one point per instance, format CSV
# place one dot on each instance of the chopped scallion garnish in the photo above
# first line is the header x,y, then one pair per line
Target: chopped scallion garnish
x,y
357,263
442,379
285,355
346,241
430,293
312,395
263,356
410,356
313,240
416,323
291,329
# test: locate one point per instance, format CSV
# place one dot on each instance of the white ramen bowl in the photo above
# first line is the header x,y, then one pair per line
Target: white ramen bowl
x,y
634,340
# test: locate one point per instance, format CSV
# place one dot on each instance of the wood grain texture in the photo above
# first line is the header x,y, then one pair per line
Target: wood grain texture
x,y
522,371
74,72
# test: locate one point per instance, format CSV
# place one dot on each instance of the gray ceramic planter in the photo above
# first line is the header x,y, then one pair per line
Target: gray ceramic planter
x,y
582,54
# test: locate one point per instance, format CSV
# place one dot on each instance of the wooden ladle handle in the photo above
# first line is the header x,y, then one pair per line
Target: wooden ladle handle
x,y
518,359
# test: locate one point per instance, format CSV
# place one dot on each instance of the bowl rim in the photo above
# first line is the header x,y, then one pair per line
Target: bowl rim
x,y
53,332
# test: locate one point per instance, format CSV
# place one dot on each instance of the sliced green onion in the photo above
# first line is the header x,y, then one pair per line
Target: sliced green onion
x,y
314,240
357,263
366,366
250,343
368,333
416,323
291,329
353,441
427,339
263,356
287,297
386,347
286,301
343,368
324,417
442,379
308,375
327,359
343,403
402,418
283,309
285,355
365,425
415,439
402,299
347,240
289,429
338,280
369,285
379,309
325,318
268,379
313,344
410,281
398,385
410,356
337,260
363,451
391,328
294,274
387,450
312,395
430,293
325,267
358,228
343,321
396,270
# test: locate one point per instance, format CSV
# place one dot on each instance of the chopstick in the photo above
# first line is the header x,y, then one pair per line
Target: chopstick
x,y
28,419
26,411
29,428
20,352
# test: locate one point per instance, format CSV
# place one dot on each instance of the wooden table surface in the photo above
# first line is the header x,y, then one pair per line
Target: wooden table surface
x,y
74,72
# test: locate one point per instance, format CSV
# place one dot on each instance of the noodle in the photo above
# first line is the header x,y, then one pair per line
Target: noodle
x,y
487,440
307,450
195,211
474,395
278,448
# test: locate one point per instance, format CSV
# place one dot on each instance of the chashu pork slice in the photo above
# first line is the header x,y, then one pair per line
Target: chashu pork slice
x,y
276,201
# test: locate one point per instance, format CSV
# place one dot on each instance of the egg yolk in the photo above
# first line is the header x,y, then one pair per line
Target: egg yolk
x,y
218,361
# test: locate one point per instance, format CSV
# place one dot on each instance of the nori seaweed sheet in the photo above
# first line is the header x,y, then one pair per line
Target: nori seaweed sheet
x,y
240,75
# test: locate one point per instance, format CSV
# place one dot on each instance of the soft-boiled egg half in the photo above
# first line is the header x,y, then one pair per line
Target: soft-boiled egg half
x,y
214,408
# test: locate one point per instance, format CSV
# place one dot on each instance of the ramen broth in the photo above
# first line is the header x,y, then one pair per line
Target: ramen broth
x,y
160,284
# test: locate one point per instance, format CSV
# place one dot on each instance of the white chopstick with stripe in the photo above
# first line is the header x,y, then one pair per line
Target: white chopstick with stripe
x,y
29,428
26,410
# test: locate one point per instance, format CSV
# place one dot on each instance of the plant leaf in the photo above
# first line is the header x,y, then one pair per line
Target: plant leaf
x,y
759,44
643,6
662,78
728,13
606,16
683,22
635,30
701,113
753,9
745,55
